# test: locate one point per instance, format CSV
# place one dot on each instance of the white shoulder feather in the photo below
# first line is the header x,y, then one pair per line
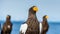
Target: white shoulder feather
x,y
40,27
23,28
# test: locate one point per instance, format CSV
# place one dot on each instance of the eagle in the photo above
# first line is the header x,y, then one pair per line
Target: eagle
x,y
7,26
44,25
31,26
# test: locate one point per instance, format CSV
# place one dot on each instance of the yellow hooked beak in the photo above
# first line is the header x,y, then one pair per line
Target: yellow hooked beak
x,y
35,9
46,17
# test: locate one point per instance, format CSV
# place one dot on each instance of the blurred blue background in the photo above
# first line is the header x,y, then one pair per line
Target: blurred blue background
x,y
18,9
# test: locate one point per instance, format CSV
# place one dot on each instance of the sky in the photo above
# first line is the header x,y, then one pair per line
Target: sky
x,y
18,9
